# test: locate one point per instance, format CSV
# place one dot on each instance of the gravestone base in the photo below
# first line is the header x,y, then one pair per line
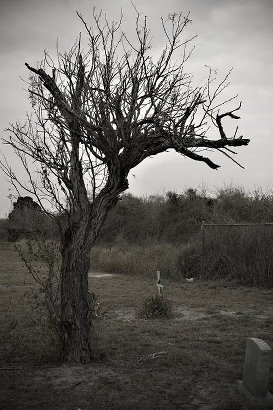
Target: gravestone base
x,y
265,402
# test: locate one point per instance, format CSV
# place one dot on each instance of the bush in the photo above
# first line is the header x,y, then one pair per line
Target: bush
x,y
242,253
155,307
189,261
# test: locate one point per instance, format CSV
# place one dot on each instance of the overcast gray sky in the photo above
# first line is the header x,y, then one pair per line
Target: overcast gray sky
x,y
231,33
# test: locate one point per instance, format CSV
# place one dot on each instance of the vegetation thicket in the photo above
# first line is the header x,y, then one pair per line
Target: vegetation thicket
x,y
177,218
142,235
164,232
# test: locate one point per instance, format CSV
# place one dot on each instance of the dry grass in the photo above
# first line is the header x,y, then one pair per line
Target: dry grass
x,y
191,361
138,260
243,255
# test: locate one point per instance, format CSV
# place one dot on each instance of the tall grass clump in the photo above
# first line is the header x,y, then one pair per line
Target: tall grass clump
x,y
154,307
240,253
138,260
189,261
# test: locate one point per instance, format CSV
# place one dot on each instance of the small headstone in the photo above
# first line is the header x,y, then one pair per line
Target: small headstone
x,y
257,364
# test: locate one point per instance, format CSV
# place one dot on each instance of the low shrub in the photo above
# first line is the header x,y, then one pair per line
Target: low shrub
x,y
154,307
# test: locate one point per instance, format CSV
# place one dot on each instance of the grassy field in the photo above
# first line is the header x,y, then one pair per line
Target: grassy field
x,y
191,361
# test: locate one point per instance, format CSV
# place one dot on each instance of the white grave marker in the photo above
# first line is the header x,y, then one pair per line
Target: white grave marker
x,y
257,364
158,284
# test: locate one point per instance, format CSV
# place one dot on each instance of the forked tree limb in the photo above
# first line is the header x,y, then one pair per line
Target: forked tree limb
x,y
229,114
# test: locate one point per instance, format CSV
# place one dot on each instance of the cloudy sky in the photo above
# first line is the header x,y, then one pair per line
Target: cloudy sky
x,y
231,33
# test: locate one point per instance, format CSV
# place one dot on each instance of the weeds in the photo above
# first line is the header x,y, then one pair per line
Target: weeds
x,y
155,307
241,254
42,260
138,260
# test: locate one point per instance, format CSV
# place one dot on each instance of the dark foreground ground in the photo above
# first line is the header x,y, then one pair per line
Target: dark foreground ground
x,y
191,361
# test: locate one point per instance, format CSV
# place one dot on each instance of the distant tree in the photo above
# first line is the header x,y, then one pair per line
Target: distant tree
x,y
27,219
97,114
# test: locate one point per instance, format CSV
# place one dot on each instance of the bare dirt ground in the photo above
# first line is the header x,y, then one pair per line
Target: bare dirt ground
x,y
191,361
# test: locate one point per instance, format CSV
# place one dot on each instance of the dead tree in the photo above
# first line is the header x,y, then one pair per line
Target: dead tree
x,y
97,115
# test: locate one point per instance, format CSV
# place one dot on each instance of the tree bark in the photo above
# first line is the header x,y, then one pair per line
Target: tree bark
x,y
75,314
83,227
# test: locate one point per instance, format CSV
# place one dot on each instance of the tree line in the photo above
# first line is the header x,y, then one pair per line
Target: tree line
x,y
177,217
170,218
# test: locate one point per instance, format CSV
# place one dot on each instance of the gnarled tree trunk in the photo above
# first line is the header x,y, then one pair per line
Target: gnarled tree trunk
x,y
75,315
78,241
